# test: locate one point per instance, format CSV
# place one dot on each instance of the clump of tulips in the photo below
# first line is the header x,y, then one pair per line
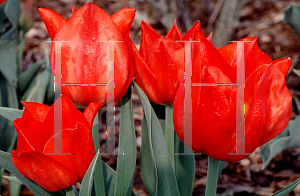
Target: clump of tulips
x,y
165,70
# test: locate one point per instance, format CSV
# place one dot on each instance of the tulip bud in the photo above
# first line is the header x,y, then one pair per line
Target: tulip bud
x,y
26,18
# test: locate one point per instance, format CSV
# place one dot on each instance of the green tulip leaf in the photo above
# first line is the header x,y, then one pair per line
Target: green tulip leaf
x,y
15,188
149,178
98,176
164,182
26,77
88,180
6,163
70,191
297,72
184,168
38,92
6,128
12,179
287,189
50,89
9,18
292,15
108,175
10,113
127,149
288,138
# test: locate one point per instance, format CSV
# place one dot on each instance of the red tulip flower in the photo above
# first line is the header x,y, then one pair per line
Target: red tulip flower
x,y
2,1
36,143
267,101
155,69
84,57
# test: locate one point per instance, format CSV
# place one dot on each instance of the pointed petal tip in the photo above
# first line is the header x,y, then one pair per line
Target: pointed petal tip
x,y
73,9
53,21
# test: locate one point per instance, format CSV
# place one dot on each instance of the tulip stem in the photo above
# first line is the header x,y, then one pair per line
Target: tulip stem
x,y
212,177
70,191
169,134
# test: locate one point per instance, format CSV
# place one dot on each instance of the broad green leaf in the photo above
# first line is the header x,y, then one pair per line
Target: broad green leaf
x,y
13,179
15,188
5,130
292,15
212,177
164,175
38,92
10,113
26,77
170,134
184,168
287,189
29,89
9,17
6,163
288,138
50,92
127,149
87,182
98,176
149,178
109,175
70,191
221,167
20,53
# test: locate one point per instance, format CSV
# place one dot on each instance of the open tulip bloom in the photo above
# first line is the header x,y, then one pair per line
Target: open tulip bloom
x,y
97,58
84,41
267,101
155,69
35,157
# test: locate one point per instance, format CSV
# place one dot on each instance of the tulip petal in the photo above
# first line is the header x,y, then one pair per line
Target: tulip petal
x,y
145,77
283,65
53,21
123,19
205,54
148,36
220,103
84,149
254,57
174,33
161,62
45,171
194,33
23,145
90,112
73,10
63,152
268,105
209,38
35,111
69,114
211,105
32,135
